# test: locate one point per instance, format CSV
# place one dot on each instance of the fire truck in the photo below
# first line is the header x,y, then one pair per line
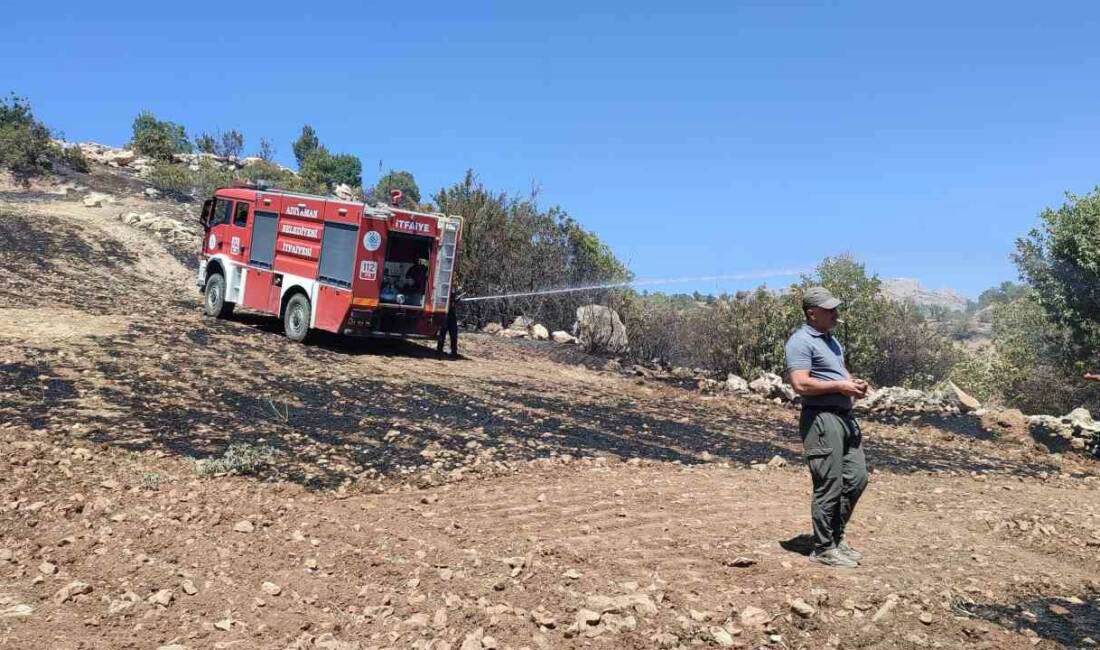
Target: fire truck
x,y
321,263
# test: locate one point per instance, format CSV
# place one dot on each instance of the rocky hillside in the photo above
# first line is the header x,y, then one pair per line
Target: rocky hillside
x,y
911,291
173,482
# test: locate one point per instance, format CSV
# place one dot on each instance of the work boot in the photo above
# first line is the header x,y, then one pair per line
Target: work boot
x,y
847,550
834,558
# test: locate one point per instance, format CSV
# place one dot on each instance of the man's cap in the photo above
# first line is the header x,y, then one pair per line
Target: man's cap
x,y
819,297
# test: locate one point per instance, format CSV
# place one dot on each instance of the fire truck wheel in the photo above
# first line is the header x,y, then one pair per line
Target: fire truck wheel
x,y
296,318
214,303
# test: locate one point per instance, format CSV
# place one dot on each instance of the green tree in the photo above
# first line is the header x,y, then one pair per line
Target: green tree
x,y
1060,259
266,151
158,139
397,180
1005,292
329,170
205,143
306,144
25,146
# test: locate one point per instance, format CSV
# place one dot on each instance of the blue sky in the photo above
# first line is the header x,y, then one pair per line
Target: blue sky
x,y
696,138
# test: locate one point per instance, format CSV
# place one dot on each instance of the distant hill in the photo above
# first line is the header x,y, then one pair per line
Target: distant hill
x,y
909,290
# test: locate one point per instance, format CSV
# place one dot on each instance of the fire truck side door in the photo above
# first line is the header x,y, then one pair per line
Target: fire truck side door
x,y
238,231
217,227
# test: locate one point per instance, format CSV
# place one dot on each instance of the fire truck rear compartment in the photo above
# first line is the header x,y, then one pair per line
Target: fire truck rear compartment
x,y
402,253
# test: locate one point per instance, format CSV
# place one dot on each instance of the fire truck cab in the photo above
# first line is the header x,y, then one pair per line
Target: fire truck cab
x,y
322,263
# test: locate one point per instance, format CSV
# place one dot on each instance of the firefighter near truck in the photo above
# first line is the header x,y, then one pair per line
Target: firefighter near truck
x,y
319,263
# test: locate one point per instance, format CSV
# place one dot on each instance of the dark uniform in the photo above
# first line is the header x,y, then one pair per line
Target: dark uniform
x,y
830,436
450,327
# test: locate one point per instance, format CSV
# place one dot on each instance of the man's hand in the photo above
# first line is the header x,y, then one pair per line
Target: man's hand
x,y
863,386
1091,376
852,388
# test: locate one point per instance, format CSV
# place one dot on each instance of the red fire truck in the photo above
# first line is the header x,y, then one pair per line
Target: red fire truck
x,y
327,264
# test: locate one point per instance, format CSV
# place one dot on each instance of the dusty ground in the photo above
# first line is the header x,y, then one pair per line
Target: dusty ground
x,y
492,501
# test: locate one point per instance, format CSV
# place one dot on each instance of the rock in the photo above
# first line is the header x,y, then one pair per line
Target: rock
x,y
777,461
926,618
152,192
563,337
492,328
244,526
802,608
71,590
543,618
598,328
5,555
172,646
753,617
271,589
736,384
904,400
417,620
886,608
1079,415
964,402
343,192
472,641
1008,424
720,636
16,611
48,568
188,588
163,598
511,333
521,323
572,574
94,201
770,385
539,333
665,640
489,643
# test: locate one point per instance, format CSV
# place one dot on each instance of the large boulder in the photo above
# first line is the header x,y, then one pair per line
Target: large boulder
x,y
343,192
521,323
599,328
958,398
560,336
539,332
492,328
770,385
736,384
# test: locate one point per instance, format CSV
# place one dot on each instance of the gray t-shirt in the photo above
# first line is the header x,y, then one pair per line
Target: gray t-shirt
x,y
823,356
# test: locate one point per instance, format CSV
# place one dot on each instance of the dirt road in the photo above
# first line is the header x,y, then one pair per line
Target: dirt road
x,y
513,498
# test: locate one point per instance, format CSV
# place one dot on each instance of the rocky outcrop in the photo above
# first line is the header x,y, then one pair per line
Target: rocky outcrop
x,y
598,328
1074,430
164,228
770,385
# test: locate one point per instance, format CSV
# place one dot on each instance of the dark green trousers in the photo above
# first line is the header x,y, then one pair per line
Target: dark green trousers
x,y
834,452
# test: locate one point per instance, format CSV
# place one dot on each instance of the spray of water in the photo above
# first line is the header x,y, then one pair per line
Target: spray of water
x,y
751,275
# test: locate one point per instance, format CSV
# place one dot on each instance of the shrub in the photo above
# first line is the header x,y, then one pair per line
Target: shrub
x,y
158,139
25,146
171,178
323,168
73,158
238,458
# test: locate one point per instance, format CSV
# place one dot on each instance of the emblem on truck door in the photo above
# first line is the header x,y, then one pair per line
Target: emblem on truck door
x,y
212,242
372,240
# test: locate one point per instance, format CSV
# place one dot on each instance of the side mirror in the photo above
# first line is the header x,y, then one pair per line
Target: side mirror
x,y
207,210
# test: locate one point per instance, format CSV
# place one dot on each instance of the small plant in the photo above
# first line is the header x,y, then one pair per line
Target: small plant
x,y
73,158
151,480
239,458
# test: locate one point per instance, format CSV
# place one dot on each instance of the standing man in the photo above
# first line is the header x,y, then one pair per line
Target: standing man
x,y
450,327
830,435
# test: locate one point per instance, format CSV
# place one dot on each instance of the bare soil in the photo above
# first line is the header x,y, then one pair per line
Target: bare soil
x,y
487,502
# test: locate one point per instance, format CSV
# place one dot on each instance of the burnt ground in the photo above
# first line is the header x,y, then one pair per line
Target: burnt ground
x,y
411,502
